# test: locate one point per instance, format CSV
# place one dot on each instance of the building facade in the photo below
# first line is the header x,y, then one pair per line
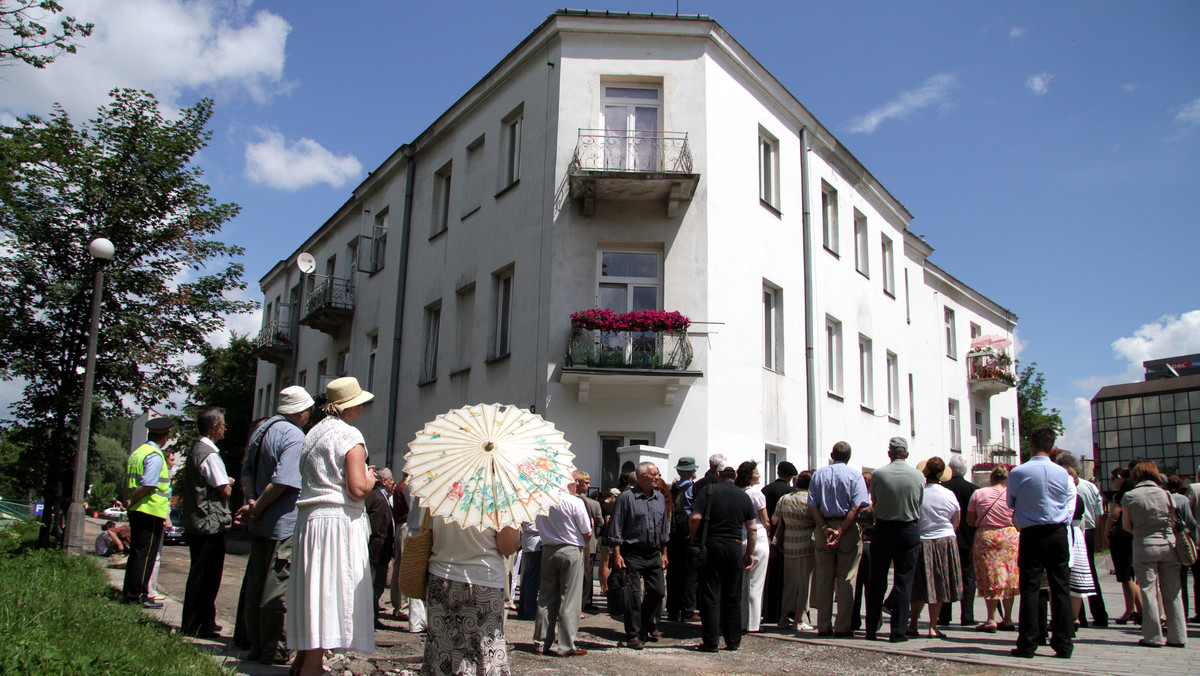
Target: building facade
x,y
638,163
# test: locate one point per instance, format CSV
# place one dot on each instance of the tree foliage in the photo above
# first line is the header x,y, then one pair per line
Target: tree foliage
x,y
125,175
33,34
226,379
1031,405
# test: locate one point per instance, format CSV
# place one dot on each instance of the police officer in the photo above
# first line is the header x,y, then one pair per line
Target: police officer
x,y
148,485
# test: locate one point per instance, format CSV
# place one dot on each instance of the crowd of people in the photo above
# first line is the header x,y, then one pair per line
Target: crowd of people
x,y
811,552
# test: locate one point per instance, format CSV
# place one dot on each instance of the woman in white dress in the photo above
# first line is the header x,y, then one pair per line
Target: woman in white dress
x,y
755,578
330,586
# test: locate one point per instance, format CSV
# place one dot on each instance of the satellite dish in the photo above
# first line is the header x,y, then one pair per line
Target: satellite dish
x,y
306,263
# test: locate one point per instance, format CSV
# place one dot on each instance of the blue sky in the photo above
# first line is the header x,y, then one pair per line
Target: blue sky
x,y
1050,152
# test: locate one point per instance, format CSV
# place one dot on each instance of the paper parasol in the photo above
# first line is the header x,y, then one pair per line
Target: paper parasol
x,y
489,466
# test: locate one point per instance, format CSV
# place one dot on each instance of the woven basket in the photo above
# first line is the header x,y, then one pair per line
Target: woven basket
x,y
414,562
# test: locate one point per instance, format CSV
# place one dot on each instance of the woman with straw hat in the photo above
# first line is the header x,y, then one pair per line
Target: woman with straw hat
x,y
330,586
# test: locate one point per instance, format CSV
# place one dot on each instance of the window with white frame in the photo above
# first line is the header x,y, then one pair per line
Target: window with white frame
x,y
772,327
632,114
976,330
441,198
372,352
475,174
955,440
502,283
829,218
379,241
464,316
343,362
772,456
951,344
912,407
630,280
429,353
331,266
302,379
889,267
907,305
1006,433
351,258
861,255
979,427
833,356
866,372
510,154
768,169
893,385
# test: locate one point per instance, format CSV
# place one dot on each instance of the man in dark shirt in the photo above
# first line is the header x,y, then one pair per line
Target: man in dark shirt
x,y
721,514
681,575
639,531
778,488
962,490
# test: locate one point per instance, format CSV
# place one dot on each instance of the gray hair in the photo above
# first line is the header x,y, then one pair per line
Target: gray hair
x,y
715,460
643,468
383,474
958,465
1069,460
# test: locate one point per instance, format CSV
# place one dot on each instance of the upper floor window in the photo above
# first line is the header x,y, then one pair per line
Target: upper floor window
x,y
976,331
833,356
630,280
475,173
429,353
441,199
772,327
768,169
510,154
379,241
632,118
502,312
829,217
951,348
893,385
372,353
866,372
862,261
889,267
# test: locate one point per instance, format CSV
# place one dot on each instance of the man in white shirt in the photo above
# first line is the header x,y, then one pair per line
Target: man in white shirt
x,y
565,533
206,518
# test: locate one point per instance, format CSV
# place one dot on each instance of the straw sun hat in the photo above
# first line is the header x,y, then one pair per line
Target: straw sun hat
x,y
345,393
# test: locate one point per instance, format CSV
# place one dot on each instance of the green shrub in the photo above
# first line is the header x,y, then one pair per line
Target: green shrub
x,y
18,537
58,615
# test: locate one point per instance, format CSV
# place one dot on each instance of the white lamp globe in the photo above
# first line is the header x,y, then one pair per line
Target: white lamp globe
x,y
102,248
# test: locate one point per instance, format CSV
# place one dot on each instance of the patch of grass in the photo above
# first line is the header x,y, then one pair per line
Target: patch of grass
x,y
58,615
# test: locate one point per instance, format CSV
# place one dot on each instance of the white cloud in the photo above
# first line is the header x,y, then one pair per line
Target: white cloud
x,y
1131,87
1189,113
1017,32
170,47
294,165
1077,437
1039,84
934,91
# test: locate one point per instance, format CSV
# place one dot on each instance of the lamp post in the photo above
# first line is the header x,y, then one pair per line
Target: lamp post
x,y
102,251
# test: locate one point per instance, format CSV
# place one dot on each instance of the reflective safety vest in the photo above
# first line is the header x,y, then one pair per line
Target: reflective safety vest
x,y
158,502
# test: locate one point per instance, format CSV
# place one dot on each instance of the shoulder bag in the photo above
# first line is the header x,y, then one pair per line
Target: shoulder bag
x,y
1185,548
414,561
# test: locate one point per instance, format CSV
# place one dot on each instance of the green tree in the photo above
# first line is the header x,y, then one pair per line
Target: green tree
x,y
1031,405
226,379
125,175
30,34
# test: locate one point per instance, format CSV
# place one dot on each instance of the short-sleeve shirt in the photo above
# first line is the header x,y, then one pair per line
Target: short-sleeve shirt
x,y
897,488
937,509
213,467
836,489
278,463
467,555
1093,503
990,507
151,468
1041,493
323,464
798,525
759,501
731,509
566,524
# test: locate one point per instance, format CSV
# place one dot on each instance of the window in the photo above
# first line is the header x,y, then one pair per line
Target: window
x,y
772,456
379,241
372,352
475,172
343,363
331,266
1006,433
433,321
258,406
912,407
866,385
631,119
955,445
889,268
979,428
907,307
829,218
833,356
772,328
768,169
510,155
322,369
441,199
861,259
893,386
464,316
630,280
951,349
351,258
302,379
976,331
502,282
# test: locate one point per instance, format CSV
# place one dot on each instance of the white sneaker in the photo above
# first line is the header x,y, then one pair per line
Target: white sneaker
x,y
804,626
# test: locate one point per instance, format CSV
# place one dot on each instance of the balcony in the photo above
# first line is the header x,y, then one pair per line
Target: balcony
x,y
330,306
632,165
990,371
623,363
274,343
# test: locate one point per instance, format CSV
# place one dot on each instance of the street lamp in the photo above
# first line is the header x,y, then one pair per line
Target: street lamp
x,y
102,251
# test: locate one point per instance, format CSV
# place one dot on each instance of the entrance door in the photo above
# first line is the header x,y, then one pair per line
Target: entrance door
x,y
610,461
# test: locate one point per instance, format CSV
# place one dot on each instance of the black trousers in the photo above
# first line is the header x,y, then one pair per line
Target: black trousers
x,y
145,540
645,563
588,594
1195,586
719,597
966,614
681,581
531,582
203,582
894,544
379,577
860,584
1096,601
773,589
1045,550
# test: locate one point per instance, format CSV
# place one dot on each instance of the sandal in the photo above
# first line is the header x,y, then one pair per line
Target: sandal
x,y
936,633
1006,627
987,628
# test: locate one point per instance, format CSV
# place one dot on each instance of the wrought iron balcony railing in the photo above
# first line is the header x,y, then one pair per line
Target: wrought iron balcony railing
x,y
990,371
274,342
632,151
665,350
331,294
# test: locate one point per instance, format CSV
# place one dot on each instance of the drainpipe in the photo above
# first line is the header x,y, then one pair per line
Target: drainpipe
x,y
401,283
810,361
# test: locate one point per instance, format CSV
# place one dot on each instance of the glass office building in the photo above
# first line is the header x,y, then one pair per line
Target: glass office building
x,y
1155,420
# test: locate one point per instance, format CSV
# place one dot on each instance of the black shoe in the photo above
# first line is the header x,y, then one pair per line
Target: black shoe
x,y
1023,654
870,636
843,634
705,648
945,623
151,604
215,627
634,643
1062,654
824,634
897,638
733,647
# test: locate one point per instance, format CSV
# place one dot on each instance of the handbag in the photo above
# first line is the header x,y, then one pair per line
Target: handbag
x,y
1185,548
414,561
620,591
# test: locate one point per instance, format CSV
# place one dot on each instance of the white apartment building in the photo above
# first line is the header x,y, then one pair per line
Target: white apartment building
x,y
633,163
